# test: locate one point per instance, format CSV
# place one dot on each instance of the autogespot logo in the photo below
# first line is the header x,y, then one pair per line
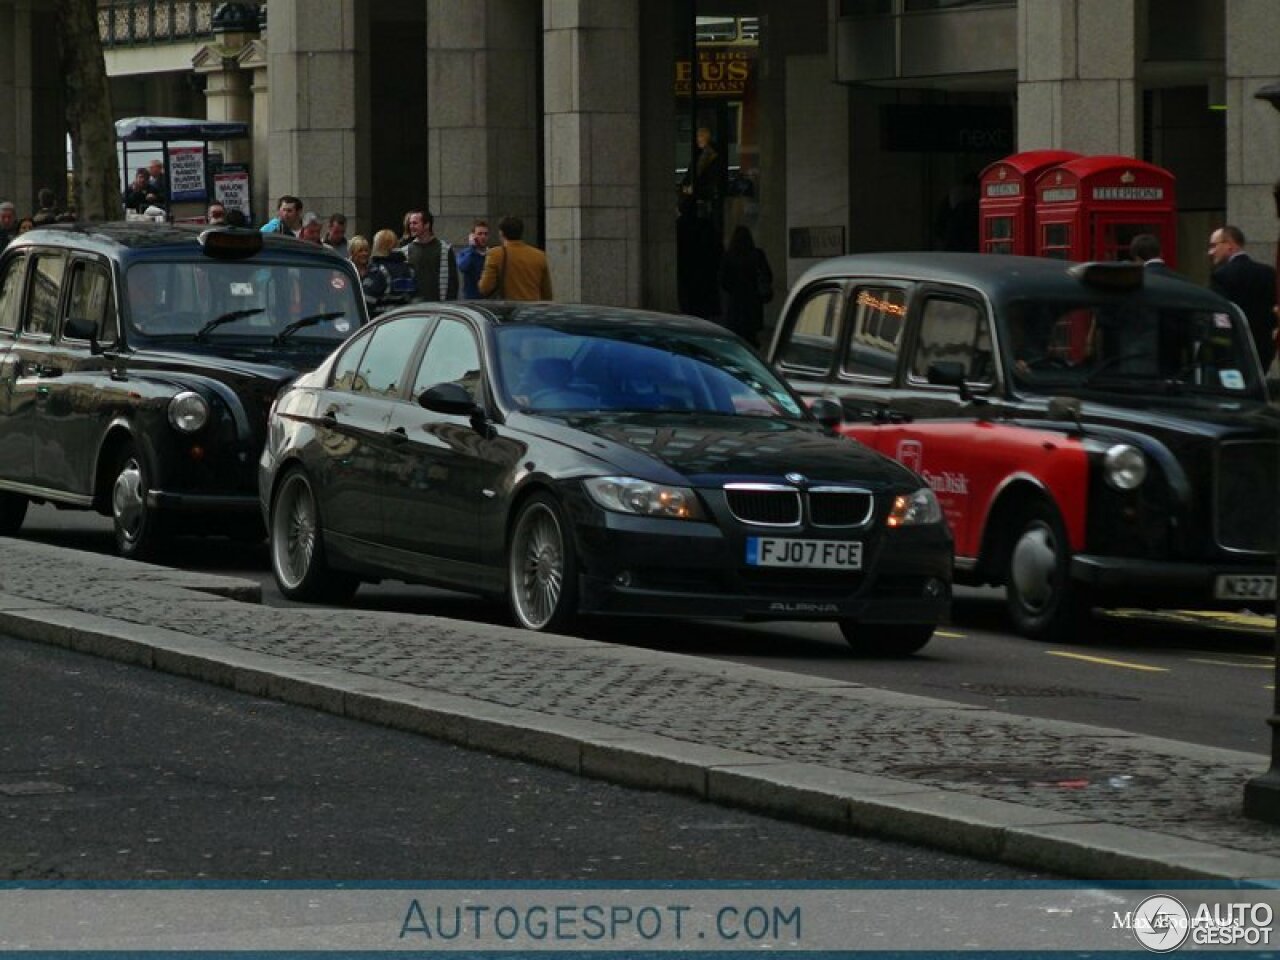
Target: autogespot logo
x,y
1161,923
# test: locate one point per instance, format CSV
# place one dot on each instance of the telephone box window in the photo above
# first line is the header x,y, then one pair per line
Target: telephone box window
x,y
1057,241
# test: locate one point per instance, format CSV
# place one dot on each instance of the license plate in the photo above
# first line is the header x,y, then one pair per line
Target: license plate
x,y
811,554
1238,587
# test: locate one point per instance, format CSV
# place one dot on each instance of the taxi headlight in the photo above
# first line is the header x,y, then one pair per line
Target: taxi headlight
x,y
188,412
630,495
915,509
1125,467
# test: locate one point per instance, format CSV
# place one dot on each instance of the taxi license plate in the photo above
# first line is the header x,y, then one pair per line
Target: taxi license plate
x,y
811,554
1239,587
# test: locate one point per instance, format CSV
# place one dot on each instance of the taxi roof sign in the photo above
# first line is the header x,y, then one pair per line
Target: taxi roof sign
x,y
230,243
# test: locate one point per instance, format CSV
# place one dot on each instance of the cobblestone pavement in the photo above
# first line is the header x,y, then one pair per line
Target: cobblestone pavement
x,y
1085,773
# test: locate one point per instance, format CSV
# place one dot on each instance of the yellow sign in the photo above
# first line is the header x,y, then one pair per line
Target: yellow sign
x,y
721,73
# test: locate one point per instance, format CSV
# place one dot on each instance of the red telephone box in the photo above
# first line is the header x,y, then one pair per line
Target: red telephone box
x,y
1006,207
1091,207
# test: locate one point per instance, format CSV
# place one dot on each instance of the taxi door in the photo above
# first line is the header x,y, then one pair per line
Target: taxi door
x,y
15,442
67,426
940,430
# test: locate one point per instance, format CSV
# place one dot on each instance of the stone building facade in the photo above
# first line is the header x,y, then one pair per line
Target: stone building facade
x,y
844,124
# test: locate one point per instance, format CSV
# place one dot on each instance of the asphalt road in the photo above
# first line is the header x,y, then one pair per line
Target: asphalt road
x,y
109,772
1172,676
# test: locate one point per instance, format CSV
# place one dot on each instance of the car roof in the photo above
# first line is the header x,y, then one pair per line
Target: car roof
x,y
588,316
124,239
1001,276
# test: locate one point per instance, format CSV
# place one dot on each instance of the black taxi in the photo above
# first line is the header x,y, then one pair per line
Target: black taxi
x,y
138,363
1098,434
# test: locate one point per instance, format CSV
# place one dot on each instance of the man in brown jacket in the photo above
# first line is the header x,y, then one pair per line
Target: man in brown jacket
x,y
516,270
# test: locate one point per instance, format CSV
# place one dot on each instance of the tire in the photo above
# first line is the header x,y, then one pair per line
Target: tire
x,y
138,528
13,510
296,544
1044,603
885,639
542,567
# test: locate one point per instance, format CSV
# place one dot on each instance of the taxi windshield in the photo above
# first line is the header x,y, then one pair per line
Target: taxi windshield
x,y
626,369
216,300
1127,344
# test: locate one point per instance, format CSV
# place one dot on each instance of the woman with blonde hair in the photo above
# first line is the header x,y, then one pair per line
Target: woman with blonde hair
x,y
358,251
390,280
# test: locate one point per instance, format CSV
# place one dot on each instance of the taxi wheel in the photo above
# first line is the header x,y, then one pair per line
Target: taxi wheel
x,y
297,546
1043,602
13,510
542,568
885,639
137,526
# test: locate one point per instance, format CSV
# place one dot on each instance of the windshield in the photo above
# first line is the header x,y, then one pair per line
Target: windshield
x,y
621,369
216,300
1127,344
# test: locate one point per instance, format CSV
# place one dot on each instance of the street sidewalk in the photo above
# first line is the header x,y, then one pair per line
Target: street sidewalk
x,y
1084,801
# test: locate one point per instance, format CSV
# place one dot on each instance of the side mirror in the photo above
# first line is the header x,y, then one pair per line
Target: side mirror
x,y
828,411
949,373
450,398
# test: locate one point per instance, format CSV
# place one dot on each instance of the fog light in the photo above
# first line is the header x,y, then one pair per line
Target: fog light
x,y
196,453
623,579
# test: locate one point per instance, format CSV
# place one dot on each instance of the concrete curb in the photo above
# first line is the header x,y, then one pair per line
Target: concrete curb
x,y
834,799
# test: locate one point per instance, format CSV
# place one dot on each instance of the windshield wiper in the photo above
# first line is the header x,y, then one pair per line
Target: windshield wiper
x,y
1115,361
231,317
311,321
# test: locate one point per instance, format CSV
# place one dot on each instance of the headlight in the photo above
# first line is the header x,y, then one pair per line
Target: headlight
x,y
629,495
188,412
914,509
1125,467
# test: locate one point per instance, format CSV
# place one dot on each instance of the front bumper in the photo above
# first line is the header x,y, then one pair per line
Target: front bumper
x,y
1162,584
653,567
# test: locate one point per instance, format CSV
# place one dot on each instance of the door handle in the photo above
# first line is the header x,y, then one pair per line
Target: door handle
x,y
44,371
397,435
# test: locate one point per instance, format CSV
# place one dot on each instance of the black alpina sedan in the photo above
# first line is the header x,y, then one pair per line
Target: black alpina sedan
x,y
592,460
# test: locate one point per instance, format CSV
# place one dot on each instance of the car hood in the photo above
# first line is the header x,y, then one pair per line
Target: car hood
x,y
1188,415
712,449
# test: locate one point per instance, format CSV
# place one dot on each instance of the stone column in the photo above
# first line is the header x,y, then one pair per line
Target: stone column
x,y
1253,135
1077,76
253,63
227,92
482,114
32,115
318,60
592,149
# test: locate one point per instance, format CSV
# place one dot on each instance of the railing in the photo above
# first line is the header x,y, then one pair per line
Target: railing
x,y
124,23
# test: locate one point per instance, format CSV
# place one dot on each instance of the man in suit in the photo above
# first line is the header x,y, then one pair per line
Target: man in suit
x,y
1248,284
1145,249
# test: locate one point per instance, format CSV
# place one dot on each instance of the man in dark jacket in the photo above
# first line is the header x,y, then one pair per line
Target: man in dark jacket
x,y
1248,284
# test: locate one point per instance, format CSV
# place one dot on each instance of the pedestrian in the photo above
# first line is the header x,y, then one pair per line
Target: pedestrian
x,y
434,264
1248,284
8,222
1145,249
135,195
159,185
311,229
335,234
390,280
516,270
216,214
747,281
358,252
48,211
288,218
236,218
471,259
25,224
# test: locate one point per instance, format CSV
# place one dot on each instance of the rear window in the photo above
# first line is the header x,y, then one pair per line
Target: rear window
x,y
247,299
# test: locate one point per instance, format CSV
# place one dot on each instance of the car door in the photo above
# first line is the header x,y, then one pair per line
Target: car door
x,y
68,403
15,437
351,429
444,466
941,431
33,367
